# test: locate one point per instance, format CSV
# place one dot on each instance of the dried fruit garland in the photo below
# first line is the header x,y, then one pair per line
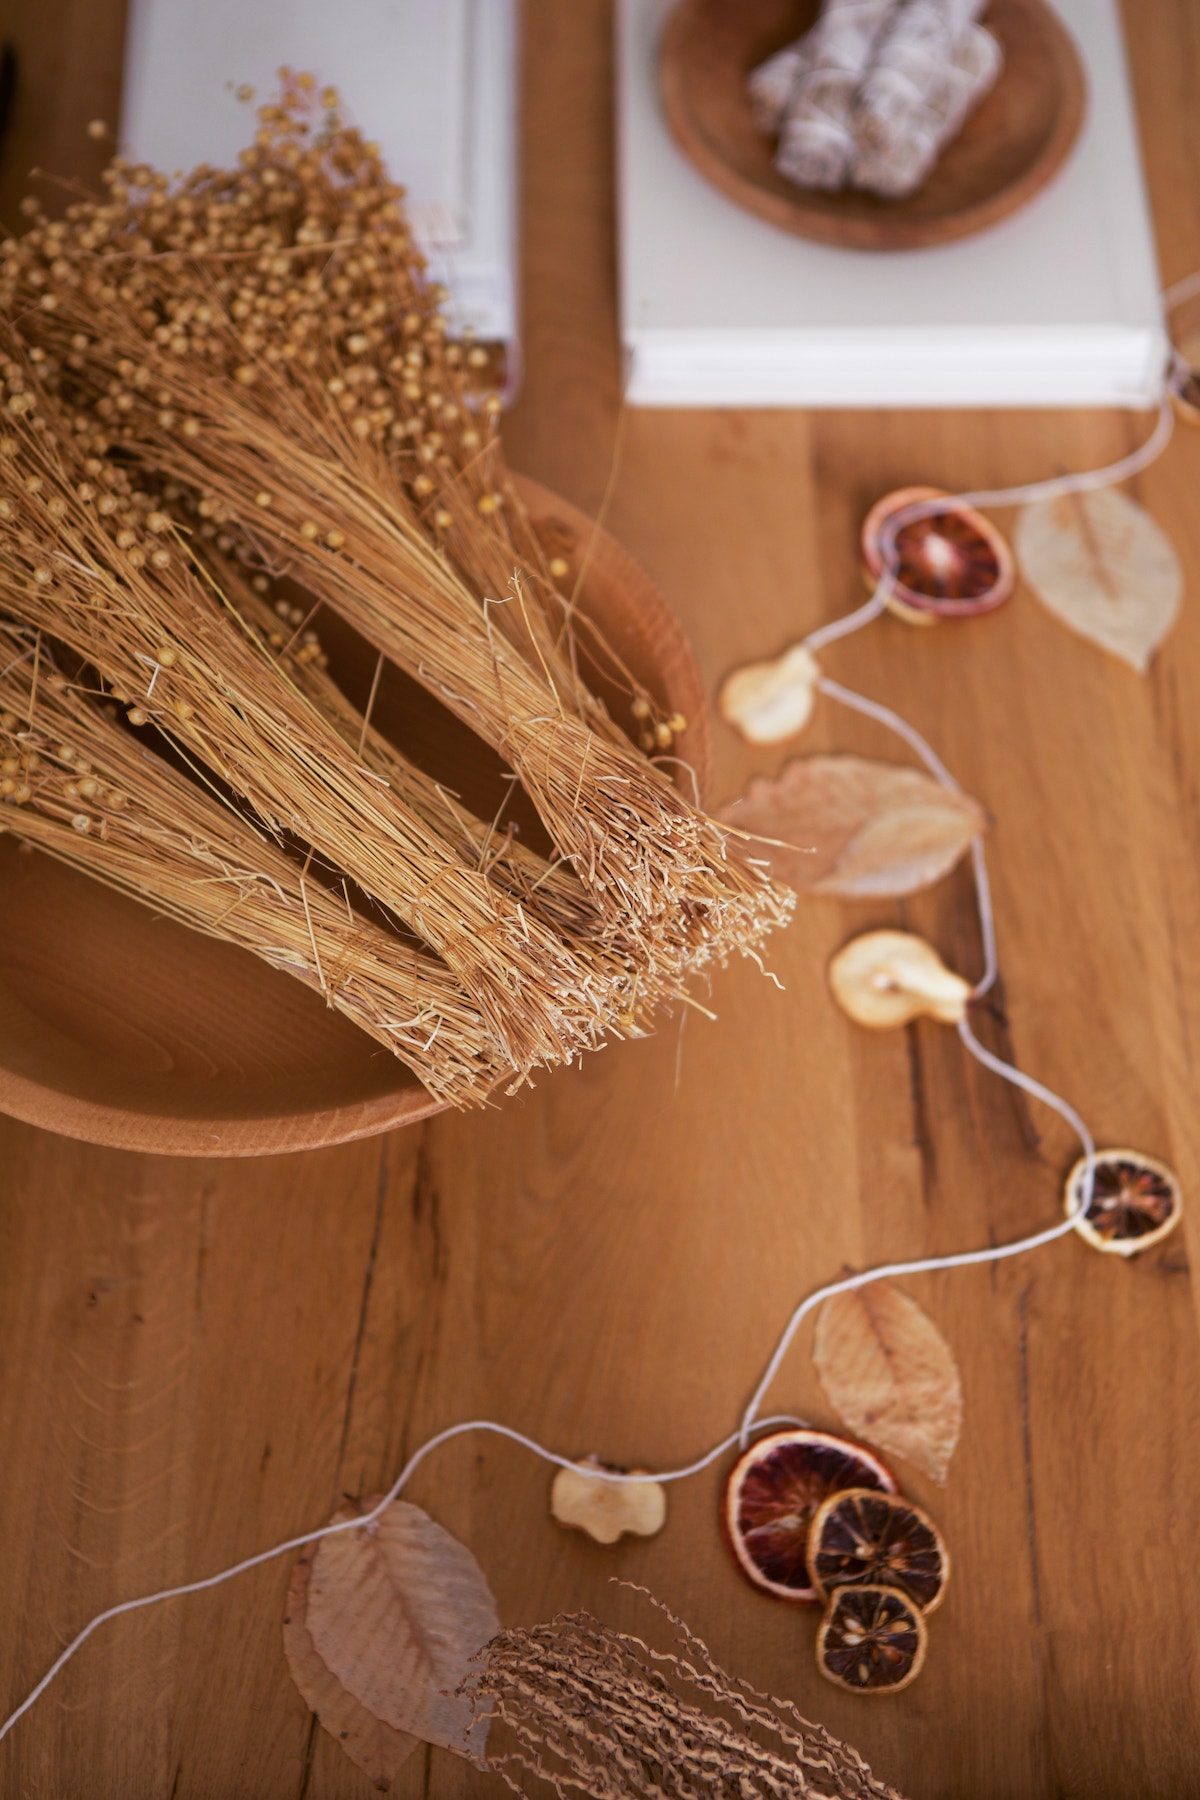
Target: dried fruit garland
x,y
839,1532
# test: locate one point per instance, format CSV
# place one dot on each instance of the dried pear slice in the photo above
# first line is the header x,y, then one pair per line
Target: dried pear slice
x,y
885,978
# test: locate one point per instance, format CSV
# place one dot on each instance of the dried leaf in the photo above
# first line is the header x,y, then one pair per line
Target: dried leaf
x,y
396,1611
891,1374
854,827
377,1749
1103,566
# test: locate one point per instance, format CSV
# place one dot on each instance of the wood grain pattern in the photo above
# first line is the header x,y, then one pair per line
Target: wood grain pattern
x,y
200,1357
127,1029
1012,144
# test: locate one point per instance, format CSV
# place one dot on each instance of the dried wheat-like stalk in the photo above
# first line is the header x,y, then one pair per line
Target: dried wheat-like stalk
x,y
550,891
72,565
264,337
589,1710
79,785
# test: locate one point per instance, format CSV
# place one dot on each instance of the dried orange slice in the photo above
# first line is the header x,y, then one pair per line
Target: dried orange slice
x,y
871,1640
1136,1200
863,1538
774,1491
950,566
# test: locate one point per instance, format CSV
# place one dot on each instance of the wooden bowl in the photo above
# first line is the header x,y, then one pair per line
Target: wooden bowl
x,y
125,1029
1010,147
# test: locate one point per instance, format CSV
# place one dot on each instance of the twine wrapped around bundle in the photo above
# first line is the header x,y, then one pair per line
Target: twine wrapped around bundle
x,y
589,1710
244,380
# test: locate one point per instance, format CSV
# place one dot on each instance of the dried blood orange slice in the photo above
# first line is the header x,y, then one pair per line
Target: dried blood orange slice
x,y
950,566
871,1640
1136,1200
865,1538
772,1494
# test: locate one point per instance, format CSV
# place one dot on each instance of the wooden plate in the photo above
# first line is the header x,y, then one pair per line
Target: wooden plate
x,y
1009,148
126,1029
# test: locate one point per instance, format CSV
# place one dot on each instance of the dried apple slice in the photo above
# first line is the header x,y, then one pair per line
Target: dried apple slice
x,y
863,1538
1136,1200
872,1640
771,701
772,1493
951,565
582,1499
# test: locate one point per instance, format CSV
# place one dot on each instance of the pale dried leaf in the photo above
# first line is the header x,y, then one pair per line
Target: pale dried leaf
x,y
1105,568
396,1611
890,1374
376,1748
849,826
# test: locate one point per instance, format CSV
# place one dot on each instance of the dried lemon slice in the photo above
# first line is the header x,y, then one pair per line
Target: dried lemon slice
x,y
872,1640
773,1492
1136,1200
865,1538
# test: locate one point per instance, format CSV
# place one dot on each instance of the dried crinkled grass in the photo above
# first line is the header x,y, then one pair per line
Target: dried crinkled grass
x,y
589,1710
89,794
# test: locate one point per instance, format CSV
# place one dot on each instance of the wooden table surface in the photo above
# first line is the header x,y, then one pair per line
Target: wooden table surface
x,y
199,1358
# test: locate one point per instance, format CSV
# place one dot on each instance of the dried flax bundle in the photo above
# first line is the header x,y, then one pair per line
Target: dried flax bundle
x,y
263,337
547,891
83,789
592,1711
72,566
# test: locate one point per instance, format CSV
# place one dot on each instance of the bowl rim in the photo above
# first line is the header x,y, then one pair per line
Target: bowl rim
x,y
817,217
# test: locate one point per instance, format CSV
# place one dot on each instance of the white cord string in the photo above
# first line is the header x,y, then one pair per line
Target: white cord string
x,y
854,621
357,1524
1054,488
962,1259
750,1420
883,715
1183,290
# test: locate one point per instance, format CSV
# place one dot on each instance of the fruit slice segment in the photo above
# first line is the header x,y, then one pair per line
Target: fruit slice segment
x,y
1136,1201
863,1538
952,565
872,1640
772,1495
